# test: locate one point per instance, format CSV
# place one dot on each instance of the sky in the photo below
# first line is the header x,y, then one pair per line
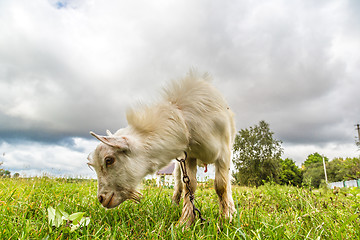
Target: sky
x,y
72,66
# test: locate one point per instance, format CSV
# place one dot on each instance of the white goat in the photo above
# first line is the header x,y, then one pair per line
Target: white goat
x,y
192,117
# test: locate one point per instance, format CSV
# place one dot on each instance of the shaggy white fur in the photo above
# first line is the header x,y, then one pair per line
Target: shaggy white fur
x,y
193,117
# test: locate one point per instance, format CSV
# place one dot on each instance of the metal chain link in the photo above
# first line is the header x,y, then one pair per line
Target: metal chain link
x,y
190,193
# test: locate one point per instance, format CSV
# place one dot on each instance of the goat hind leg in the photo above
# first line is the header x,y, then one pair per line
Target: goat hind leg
x,y
223,189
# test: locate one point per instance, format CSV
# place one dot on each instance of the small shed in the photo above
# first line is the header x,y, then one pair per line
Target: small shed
x,y
165,177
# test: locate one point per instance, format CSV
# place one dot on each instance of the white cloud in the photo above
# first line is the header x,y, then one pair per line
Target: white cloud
x,y
67,67
300,152
29,158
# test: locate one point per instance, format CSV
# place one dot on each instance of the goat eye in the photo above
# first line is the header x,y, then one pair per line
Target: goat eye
x,y
109,160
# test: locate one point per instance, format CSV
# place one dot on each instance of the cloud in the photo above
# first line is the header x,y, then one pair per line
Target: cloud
x,y
68,67
33,159
300,152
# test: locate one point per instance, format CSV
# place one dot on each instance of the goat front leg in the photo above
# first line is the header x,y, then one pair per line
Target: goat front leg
x,y
178,184
188,215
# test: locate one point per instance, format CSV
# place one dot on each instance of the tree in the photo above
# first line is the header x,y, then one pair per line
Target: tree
x,y
4,173
314,174
340,169
352,165
313,169
335,170
314,158
290,173
256,155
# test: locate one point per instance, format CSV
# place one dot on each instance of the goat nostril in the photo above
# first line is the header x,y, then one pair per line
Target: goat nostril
x,y
101,198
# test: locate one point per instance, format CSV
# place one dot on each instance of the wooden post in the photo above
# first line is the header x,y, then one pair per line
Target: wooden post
x,y
326,180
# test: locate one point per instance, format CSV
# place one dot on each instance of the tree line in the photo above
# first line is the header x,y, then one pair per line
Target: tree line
x,y
257,159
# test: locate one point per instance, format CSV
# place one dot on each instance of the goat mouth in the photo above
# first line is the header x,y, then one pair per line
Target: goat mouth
x,y
112,201
108,202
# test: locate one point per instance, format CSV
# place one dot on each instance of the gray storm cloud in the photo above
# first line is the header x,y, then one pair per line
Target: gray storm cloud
x,y
67,67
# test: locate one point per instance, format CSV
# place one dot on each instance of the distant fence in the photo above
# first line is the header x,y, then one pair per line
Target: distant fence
x,y
350,183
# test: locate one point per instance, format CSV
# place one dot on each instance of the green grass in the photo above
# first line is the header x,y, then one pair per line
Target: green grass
x,y
268,212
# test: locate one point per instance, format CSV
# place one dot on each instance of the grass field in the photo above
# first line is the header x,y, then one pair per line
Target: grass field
x,y
268,212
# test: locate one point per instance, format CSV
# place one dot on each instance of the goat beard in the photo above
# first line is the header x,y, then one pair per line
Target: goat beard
x,y
135,196
128,194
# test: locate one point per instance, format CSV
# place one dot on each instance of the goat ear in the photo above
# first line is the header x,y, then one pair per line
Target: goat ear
x,y
113,141
108,133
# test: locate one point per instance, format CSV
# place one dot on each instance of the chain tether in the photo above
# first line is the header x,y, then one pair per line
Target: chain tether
x,y
186,180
